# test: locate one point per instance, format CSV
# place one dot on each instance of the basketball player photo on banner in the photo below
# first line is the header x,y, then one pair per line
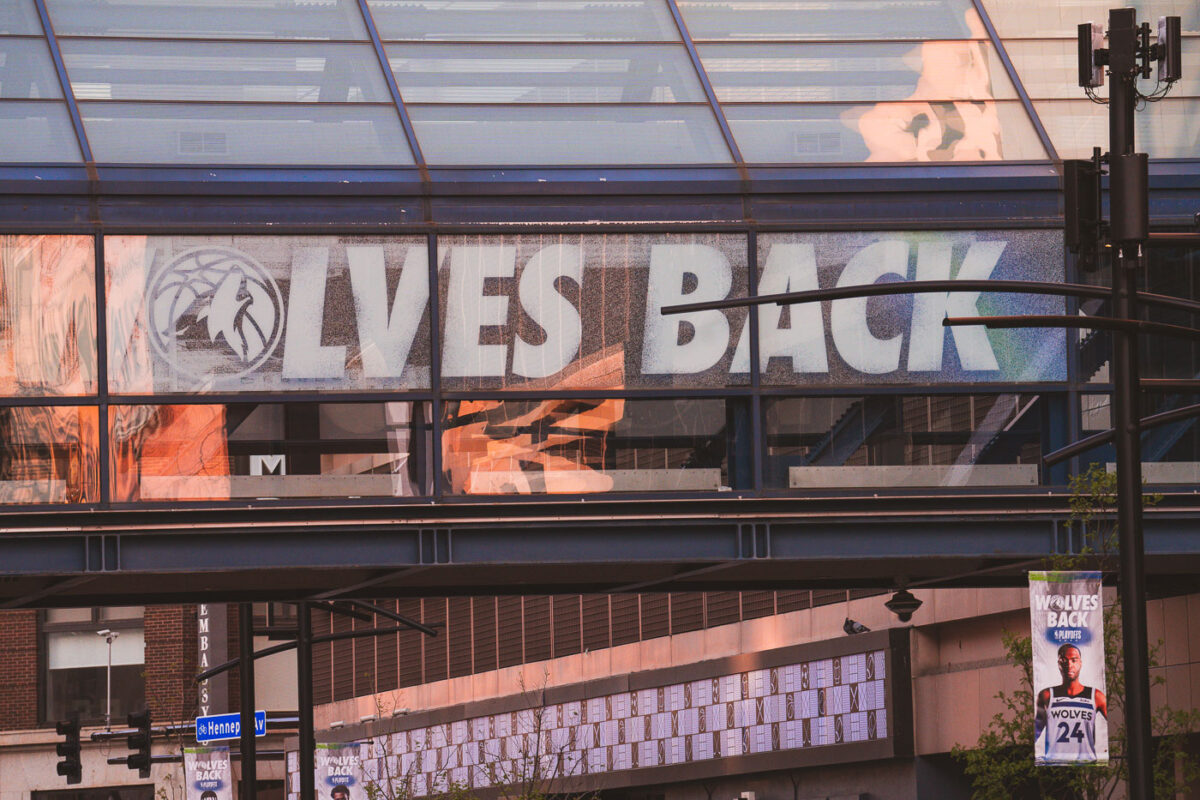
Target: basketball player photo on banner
x,y
1070,706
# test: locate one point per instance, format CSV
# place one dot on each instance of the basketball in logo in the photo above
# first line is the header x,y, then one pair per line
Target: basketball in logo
x,y
214,311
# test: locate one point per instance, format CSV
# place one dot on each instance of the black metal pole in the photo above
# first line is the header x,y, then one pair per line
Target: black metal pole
x,y
1126,258
249,754
304,694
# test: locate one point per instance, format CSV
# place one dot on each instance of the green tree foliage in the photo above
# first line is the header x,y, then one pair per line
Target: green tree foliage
x,y
1001,765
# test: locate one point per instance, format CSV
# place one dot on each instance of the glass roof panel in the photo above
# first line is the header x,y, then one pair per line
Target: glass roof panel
x,y
568,135
1166,129
245,133
1038,18
544,73
248,71
1048,69
524,20
805,20
37,132
855,71
198,19
26,70
884,132
19,16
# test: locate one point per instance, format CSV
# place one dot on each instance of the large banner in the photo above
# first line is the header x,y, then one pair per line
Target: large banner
x,y
566,311
207,773
1071,710
339,771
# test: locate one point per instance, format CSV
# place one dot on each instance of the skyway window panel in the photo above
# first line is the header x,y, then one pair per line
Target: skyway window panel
x,y
795,20
19,17
179,133
1048,69
856,72
890,132
544,73
26,71
48,317
523,20
37,132
1035,18
1168,129
224,71
578,135
201,19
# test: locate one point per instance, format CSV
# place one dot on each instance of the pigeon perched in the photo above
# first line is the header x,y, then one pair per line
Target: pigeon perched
x,y
851,627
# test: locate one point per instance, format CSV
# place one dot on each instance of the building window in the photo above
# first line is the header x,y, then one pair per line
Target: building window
x,y
77,658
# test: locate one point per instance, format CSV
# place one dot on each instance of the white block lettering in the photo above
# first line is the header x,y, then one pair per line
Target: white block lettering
x,y
386,339
670,264
549,309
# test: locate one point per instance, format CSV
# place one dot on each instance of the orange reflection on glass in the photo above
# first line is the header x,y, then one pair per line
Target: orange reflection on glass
x,y
168,453
49,455
47,315
514,447
951,114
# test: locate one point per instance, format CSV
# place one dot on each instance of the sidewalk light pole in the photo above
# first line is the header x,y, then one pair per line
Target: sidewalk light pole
x,y
108,635
1128,57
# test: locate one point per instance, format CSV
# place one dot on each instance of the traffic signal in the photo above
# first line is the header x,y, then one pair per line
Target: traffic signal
x,y
1081,201
139,743
70,766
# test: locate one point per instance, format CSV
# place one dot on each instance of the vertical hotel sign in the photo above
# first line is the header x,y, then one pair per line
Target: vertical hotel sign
x,y
1070,708
212,647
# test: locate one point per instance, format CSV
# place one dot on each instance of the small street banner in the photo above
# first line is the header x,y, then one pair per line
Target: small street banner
x,y
1070,707
207,774
339,771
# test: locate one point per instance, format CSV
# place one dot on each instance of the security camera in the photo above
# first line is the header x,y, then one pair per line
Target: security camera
x,y
903,604
104,632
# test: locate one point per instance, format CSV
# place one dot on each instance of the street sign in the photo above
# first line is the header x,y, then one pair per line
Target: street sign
x,y
217,727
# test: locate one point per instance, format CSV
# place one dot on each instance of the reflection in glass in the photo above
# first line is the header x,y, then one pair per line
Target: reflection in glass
x,y
1170,452
1034,18
228,71
896,441
261,451
579,446
792,20
583,312
1169,128
241,19
543,73
47,315
20,16
885,131
26,72
267,313
38,132
245,133
524,20
49,454
574,135
859,72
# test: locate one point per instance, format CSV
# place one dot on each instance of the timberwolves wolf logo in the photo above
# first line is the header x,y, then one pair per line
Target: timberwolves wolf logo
x,y
214,311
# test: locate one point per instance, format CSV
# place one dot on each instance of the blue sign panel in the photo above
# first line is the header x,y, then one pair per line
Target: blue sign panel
x,y
227,726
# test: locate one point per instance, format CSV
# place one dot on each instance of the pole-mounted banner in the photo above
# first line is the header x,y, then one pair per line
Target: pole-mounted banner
x,y
208,775
339,771
1070,704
